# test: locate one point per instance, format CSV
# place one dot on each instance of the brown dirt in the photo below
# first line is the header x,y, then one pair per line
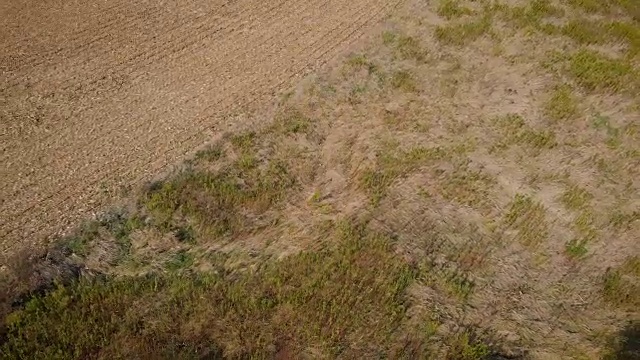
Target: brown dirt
x,y
93,97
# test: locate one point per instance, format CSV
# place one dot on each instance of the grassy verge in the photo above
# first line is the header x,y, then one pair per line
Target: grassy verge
x,y
326,300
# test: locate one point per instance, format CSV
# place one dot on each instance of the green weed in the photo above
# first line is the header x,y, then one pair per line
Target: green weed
x,y
576,248
293,122
246,162
562,105
575,197
451,280
185,234
355,94
590,6
596,72
621,285
528,218
589,32
219,202
466,186
513,130
362,62
614,134
628,32
245,141
624,220
393,163
388,37
358,61
450,9
542,8
584,223
404,80
629,7
545,139
465,347
316,202
376,183
586,32
409,47
210,153
510,123
531,15
460,285
404,46
315,198
78,243
462,34
601,122
181,260
113,225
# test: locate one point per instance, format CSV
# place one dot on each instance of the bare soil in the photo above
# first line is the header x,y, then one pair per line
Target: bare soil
x,y
97,97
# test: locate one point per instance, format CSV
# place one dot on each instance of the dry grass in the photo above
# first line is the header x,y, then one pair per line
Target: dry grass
x,y
621,286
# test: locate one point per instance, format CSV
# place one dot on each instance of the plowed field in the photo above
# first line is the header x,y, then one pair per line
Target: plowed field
x,y
94,95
